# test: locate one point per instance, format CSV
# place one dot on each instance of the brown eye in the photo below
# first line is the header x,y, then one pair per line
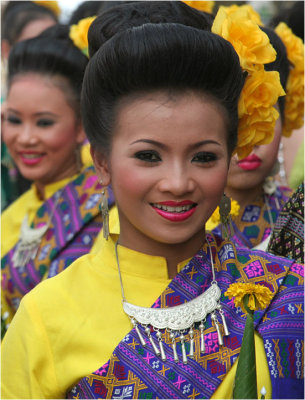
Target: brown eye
x,y
13,120
204,157
45,122
148,156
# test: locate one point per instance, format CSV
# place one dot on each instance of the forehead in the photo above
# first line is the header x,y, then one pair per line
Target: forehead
x,y
167,115
42,88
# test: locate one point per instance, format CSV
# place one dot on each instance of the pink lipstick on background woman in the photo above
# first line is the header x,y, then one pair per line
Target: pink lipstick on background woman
x,y
250,163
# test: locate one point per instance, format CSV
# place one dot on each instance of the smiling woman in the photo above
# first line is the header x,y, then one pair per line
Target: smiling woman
x,y
162,138
43,131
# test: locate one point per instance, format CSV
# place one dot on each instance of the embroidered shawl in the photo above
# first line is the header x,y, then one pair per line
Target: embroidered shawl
x,y
134,371
287,238
74,226
252,225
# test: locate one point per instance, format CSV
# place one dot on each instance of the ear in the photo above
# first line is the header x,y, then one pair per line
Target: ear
x,y
101,164
80,135
5,49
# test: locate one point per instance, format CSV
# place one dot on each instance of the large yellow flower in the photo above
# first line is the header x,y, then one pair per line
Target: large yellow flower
x,y
294,102
250,42
294,45
259,295
52,5
257,116
206,6
79,33
255,130
261,89
249,9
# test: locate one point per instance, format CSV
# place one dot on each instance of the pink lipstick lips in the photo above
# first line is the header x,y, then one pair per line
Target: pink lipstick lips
x,y
175,211
30,157
250,163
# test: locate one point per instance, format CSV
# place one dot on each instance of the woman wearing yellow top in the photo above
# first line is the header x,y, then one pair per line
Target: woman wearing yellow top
x,y
143,89
56,220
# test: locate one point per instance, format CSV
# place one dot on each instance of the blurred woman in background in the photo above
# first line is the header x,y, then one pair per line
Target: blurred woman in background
x,y
57,219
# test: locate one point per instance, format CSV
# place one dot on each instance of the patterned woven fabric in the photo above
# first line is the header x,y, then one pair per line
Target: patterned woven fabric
x,y
252,225
287,238
134,371
74,226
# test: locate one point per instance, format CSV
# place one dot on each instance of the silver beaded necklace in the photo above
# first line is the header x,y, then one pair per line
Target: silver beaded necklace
x,y
179,321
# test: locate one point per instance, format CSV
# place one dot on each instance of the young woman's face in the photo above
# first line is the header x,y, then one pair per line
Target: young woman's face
x,y
251,171
40,129
168,166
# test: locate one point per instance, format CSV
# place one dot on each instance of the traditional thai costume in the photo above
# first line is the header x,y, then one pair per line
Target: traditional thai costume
x,y
52,345
72,219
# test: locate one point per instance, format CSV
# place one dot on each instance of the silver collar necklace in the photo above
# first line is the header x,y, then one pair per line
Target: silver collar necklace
x,y
179,321
30,238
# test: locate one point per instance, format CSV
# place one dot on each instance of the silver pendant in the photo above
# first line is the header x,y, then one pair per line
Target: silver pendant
x,y
178,320
29,243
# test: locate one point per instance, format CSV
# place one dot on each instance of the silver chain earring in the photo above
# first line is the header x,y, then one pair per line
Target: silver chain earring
x,y
105,212
227,229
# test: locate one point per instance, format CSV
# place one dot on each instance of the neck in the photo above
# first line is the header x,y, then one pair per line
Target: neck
x,y
245,196
41,184
173,253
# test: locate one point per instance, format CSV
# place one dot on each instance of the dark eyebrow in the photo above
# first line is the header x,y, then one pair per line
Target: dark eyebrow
x,y
163,146
149,141
45,113
204,142
12,110
38,114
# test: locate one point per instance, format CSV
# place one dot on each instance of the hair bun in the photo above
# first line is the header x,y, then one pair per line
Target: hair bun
x,y
131,14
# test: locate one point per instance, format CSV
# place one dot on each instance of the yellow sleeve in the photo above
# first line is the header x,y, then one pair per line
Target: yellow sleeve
x,y
27,365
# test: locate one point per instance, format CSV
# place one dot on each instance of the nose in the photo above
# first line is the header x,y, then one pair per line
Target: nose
x,y
26,135
177,180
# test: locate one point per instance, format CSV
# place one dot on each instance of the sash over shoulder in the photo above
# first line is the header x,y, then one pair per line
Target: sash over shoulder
x,y
74,226
135,371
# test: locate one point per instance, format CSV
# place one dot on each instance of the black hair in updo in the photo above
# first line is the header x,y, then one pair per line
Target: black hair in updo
x,y
18,14
136,13
52,54
169,57
280,64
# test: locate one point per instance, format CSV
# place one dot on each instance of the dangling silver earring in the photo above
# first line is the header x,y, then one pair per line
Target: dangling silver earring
x,y
281,161
227,229
105,212
269,185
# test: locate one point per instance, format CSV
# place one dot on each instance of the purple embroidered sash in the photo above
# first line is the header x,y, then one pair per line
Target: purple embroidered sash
x,y
74,226
252,225
134,371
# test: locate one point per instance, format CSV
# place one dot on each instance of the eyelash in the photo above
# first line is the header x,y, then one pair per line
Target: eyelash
x,y
153,157
13,120
204,157
44,123
148,156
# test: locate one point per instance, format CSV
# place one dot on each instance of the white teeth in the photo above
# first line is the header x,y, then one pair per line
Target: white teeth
x,y
173,209
31,156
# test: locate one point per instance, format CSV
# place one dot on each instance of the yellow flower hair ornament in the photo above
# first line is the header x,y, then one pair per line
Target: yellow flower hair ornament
x,y
52,5
257,116
206,6
79,33
294,101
